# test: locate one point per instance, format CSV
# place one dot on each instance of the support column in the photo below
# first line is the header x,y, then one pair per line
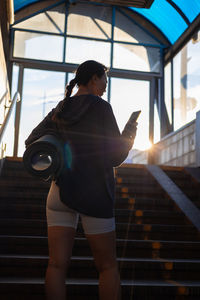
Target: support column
x,y
151,119
197,138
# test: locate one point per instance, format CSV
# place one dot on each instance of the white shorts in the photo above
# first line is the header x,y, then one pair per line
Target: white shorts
x,y
58,214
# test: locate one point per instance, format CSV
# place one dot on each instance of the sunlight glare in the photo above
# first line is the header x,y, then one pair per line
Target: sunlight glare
x,y
142,145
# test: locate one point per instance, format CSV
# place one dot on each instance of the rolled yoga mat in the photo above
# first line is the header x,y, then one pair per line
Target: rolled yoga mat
x,y
44,158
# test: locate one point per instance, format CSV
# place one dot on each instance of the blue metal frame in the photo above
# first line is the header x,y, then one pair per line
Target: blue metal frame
x,y
52,21
101,29
88,38
111,50
172,93
65,31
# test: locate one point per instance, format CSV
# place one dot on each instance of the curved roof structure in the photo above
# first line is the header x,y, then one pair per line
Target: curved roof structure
x,y
171,17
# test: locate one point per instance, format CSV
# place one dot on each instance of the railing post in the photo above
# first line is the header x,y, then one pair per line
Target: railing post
x,y
18,112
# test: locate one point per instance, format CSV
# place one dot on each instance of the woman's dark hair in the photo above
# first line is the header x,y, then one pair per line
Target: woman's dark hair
x,y
84,73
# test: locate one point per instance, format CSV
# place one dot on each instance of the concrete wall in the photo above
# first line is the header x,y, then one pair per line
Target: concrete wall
x,y
179,148
4,67
4,40
4,48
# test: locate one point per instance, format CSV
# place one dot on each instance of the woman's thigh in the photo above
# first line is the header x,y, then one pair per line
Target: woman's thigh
x,y
60,241
62,223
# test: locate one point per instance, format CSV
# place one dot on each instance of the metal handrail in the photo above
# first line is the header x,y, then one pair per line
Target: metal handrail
x,y
16,98
3,97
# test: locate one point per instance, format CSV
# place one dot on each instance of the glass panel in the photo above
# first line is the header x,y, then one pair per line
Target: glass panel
x,y
50,21
15,73
178,122
89,21
78,50
70,77
127,96
159,14
186,84
156,125
139,58
42,90
125,30
38,46
168,89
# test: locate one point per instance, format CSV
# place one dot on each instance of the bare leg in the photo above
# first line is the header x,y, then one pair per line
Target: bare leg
x,y
60,241
104,251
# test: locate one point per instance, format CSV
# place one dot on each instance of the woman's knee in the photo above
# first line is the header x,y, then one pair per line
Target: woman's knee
x,y
59,264
103,266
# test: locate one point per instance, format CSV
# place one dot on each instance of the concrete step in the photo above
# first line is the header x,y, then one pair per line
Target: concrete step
x,y
26,183
10,181
84,267
120,203
9,189
121,215
37,227
37,245
82,289
131,170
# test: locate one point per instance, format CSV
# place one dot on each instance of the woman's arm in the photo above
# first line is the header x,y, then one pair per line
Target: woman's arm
x,y
117,145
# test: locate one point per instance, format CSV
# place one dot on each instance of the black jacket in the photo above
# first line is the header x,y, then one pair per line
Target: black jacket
x,y
93,146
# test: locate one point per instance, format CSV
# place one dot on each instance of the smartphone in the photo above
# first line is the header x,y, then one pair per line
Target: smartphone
x,y
134,116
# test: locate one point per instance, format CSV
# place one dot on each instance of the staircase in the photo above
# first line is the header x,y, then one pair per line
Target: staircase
x,y
158,249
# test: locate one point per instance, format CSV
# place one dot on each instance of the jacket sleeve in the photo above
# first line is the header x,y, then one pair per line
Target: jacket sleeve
x,y
117,146
47,126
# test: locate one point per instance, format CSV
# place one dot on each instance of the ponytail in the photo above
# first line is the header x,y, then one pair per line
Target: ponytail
x,y
69,87
57,116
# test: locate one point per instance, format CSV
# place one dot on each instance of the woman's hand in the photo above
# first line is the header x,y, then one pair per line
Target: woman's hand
x,y
130,130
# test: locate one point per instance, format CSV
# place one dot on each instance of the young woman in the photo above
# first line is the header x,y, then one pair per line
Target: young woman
x,y
86,186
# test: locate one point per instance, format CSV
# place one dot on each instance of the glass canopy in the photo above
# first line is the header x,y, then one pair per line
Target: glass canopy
x,y
171,17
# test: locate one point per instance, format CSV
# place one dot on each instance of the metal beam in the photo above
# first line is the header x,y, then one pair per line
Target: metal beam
x,y
66,67
151,109
152,95
112,36
132,74
175,193
135,3
183,40
87,38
